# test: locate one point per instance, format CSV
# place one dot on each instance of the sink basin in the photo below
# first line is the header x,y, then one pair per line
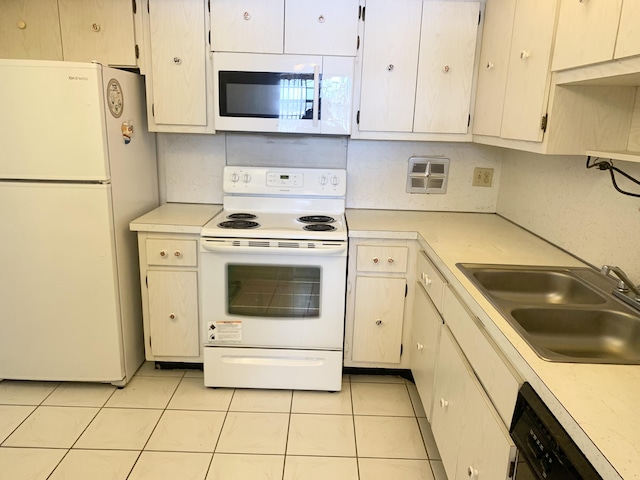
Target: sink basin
x,y
595,336
532,286
566,314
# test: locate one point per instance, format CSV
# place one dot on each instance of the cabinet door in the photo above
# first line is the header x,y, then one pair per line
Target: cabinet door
x,y
586,32
173,313
529,76
389,65
321,28
30,29
445,67
425,335
177,37
379,310
447,419
98,30
494,63
628,42
250,26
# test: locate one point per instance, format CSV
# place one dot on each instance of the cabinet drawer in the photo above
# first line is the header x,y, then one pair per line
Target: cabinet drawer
x,y
172,252
431,279
498,378
381,259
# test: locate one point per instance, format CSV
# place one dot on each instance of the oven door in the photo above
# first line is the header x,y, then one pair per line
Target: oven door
x,y
282,93
273,296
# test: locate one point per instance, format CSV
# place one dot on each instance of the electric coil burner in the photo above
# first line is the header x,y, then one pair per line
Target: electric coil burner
x,y
273,280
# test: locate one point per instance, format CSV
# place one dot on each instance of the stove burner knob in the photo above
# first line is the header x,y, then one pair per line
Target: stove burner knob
x,y
335,180
246,178
235,177
163,253
323,180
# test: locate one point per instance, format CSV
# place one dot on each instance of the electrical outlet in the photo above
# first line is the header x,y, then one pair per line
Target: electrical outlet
x,y
482,177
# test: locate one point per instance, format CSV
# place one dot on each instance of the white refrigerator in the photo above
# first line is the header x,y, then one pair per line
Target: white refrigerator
x,y
77,164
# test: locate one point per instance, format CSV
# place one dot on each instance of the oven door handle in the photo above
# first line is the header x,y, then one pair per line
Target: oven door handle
x,y
321,249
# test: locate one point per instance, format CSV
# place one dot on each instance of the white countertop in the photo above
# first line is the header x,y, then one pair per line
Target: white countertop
x,y
175,218
599,405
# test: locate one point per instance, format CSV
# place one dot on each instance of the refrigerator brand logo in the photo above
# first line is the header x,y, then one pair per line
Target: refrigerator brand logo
x,y
72,77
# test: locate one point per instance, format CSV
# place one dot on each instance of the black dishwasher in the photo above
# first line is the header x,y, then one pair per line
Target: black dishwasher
x,y
545,450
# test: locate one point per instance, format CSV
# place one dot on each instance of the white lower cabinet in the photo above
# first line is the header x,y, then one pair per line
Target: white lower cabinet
x,y
472,440
169,281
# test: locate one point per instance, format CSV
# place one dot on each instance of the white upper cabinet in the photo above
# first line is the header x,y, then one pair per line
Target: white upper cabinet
x,y
494,67
586,32
389,63
71,30
417,66
285,26
30,29
249,26
329,27
445,67
177,77
628,42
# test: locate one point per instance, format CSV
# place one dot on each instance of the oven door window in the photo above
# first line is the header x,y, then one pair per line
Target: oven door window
x,y
273,291
267,95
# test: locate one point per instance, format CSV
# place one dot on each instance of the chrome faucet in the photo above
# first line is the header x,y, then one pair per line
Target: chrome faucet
x,y
625,285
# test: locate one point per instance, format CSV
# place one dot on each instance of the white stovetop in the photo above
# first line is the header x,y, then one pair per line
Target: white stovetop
x,y
599,405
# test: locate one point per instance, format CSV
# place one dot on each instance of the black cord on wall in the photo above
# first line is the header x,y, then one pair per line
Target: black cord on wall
x,y
608,165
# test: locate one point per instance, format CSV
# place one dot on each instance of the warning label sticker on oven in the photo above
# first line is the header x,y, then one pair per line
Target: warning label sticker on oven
x,y
225,331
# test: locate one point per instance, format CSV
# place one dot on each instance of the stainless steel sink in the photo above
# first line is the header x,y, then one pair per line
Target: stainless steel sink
x,y
565,314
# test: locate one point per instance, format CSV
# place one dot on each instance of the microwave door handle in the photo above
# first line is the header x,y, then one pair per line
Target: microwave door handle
x,y
316,94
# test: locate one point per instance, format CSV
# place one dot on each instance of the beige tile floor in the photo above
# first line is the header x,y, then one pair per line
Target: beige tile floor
x,y
166,425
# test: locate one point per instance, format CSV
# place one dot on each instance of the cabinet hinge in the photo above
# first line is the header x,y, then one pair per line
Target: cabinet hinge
x,y
146,280
479,16
406,289
469,121
543,123
153,110
137,51
362,12
401,349
134,6
209,6
209,37
358,117
147,6
512,469
358,43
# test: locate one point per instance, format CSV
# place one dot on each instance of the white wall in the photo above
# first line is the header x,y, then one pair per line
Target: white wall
x,y
574,207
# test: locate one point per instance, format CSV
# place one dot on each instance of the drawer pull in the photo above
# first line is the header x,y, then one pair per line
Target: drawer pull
x,y
472,472
172,316
389,260
163,253
378,322
178,253
375,259
246,16
419,346
444,403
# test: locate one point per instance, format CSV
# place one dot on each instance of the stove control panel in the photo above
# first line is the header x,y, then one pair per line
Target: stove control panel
x,y
285,181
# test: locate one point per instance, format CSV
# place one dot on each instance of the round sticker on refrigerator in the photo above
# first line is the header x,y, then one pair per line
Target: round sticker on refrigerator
x,y
115,98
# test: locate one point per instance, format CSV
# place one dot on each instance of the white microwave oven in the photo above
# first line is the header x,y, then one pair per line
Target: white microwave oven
x,y
283,93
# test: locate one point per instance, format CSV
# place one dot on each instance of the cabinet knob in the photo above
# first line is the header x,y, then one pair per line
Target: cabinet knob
x,y
163,253
378,322
446,69
246,15
472,472
22,24
172,316
390,67
178,253
95,27
524,55
321,19
444,403
389,260
177,60
489,65
375,259
419,346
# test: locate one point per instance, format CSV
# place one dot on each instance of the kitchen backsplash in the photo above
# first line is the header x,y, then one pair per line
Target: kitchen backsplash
x,y
572,207
191,166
